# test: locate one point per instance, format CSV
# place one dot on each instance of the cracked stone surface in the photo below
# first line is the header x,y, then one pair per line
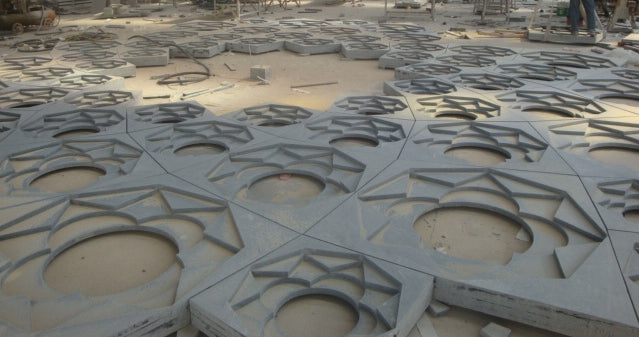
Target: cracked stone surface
x,y
535,153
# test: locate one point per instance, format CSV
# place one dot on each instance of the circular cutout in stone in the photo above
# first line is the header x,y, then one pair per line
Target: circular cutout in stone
x,y
25,105
354,142
547,113
625,100
199,149
631,215
110,263
67,179
617,156
471,233
274,123
75,133
476,155
285,188
316,316
456,116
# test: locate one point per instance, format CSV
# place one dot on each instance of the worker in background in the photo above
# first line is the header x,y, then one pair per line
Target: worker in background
x,y
574,13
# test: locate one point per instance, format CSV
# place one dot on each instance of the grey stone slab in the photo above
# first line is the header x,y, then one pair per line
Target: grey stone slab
x,y
64,122
482,50
616,201
549,276
581,142
570,312
205,26
494,330
425,69
396,59
512,145
553,103
8,122
618,92
82,81
110,67
397,296
625,245
276,119
312,46
214,239
255,45
148,57
204,139
103,98
113,155
364,50
336,173
155,115
461,104
537,72
303,23
25,97
197,49
485,81
387,106
419,86
570,60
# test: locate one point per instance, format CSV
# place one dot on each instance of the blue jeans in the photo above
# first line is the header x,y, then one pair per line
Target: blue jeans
x,y
574,13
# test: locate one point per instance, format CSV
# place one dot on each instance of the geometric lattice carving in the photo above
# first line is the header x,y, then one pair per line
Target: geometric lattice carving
x,y
168,112
88,45
337,127
420,86
257,295
184,134
552,101
419,70
81,81
486,81
30,97
483,51
8,121
340,173
417,46
620,194
199,26
23,62
513,143
458,107
357,38
583,136
200,227
550,215
627,73
101,64
474,61
369,105
55,123
45,73
96,99
303,23
253,30
89,55
540,72
114,157
565,59
607,88
271,115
